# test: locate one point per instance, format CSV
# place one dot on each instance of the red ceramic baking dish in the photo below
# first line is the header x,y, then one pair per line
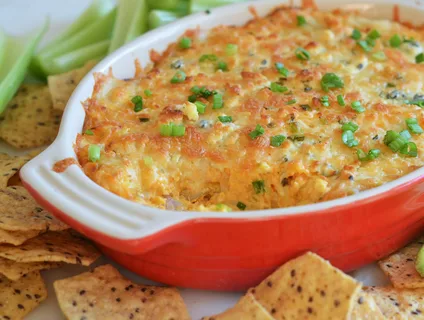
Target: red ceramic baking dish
x,y
222,250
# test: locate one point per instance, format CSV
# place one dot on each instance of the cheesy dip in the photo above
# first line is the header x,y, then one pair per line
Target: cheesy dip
x,y
298,107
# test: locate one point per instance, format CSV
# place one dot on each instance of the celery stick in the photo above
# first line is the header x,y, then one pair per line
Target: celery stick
x,y
159,18
182,8
163,4
3,40
78,58
18,53
203,5
130,22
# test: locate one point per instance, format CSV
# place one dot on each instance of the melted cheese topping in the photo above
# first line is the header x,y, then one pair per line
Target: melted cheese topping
x,y
215,165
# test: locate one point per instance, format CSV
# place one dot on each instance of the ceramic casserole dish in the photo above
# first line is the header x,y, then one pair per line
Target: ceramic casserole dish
x,y
222,250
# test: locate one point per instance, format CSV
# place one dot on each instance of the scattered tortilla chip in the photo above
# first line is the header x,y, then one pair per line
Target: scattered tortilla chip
x,y
398,303
105,294
247,309
28,121
65,246
20,212
17,237
366,308
9,166
400,266
62,85
18,298
15,270
308,287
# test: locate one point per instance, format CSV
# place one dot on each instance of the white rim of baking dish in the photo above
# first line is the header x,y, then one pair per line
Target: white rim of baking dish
x,y
73,193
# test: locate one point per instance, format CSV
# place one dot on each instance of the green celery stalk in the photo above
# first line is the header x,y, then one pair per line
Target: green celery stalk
x,y
130,22
203,5
182,8
78,58
163,4
159,18
3,40
18,53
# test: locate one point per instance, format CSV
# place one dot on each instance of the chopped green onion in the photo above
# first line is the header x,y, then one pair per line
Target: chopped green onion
x,y
356,34
89,132
379,56
395,41
231,49
413,126
340,100
222,66
281,69
148,93
374,34
296,137
144,119
218,101
277,140
208,57
349,139
418,103
225,119
409,149
178,130
302,54
397,144
172,130
241,206
259,130
419,58
179,77
357,106
364,45
259,186
93,152
185,43
331,80
301,21
390,136
292,101
405,134
276,87
148,161
223,207
324,101
138,103
201,107
372,154
192,98
196,89
350,126
166,130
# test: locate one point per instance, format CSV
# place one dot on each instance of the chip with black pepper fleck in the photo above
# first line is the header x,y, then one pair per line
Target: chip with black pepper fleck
x,y
366,308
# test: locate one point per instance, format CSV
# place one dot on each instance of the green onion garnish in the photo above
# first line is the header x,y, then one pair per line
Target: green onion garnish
x,y
390,136
405,134
394,140
419,103
148,161
225,119
192,98
296,137
259,130
89,132
281,69
292,101
148,93
166,130
178,130
331,80
395,41
218,101
259,186
277,140
349,139
93,152
241,205
185,43
372,154
196,89
374,35
413,126
201,107
340,100
356,34
364,45
208,57
276,87
419,58
302,54
179,77
409,149
379,56
350,126
172,130
231,49
324,101
138,103
301,21
357,106
222,66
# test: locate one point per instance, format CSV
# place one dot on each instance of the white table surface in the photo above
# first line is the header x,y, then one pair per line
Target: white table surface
x,y
17,17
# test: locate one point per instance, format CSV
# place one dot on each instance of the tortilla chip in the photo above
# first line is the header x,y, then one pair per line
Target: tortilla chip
x,y
308,287
20,212
28,121
398,303
15,270
400,266
62,85
105,294
9,166
247,309
17,237
18,298
65,246
366,308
